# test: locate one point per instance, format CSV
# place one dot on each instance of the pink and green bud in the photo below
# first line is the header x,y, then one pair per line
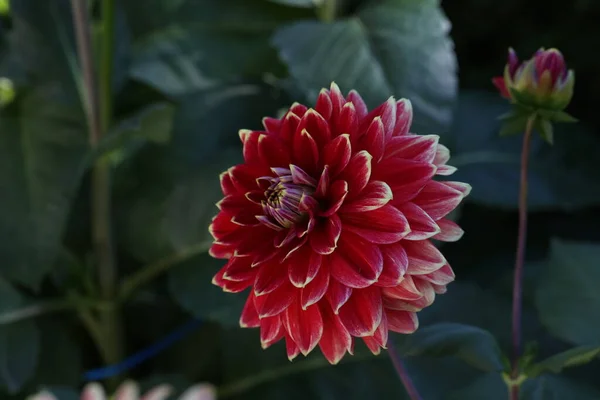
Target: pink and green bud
x,y
542,82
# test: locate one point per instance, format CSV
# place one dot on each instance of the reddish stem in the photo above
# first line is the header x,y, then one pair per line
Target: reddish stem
x,y
409,386
520,258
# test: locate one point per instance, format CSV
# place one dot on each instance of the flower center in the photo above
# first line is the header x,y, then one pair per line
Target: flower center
x,y
283,198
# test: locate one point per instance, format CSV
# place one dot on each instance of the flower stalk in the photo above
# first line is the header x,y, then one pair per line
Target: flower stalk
x,y
520,258
98,106
409,386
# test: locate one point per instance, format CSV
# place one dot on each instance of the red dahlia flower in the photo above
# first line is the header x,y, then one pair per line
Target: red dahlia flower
x,y
328,222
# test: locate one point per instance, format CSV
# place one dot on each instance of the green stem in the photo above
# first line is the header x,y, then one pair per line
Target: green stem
x,y
48,307
146,274
520,260
99,113
327,10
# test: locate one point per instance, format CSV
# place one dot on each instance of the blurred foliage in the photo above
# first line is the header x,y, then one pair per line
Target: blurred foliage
x,y
188,74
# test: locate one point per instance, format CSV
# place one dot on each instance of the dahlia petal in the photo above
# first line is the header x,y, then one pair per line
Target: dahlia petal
x,y
337,154
305,327
374,140
218,250
316,126
323,185
325,236
305,151
383,225
449,231
462,187
266,221
236,203
243,176
324,105
303,266
289,126
250,145
404,116
402,321
381,334
395,264
245,218
222,227
160,392
442,155
335,340
362,313
270,276
428,297
271,330
337,100
298,109
127,390
337,295
271,125
438,199
291,348
316,289
405,177
275,302
441,277
300,177
230,286
249,317
372,345
423,257
359,104
422,226
272,151
414,147
227,187
348,120
284,237
247,240
406,290
358,171
357,263
445,170
387,112
93,391
336,196
439,289
239,269
375,195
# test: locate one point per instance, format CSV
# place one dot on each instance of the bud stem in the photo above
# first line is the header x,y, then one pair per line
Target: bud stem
x,y
409,386
520,258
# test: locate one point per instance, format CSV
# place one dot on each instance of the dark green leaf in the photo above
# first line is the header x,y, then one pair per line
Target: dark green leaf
x,y
42,158
19,351
567,297
545,129
190,285
553,387
570,358
395,47
190,45
489,387
10,299
58,343
473,345
559,177
152,124
299,3
514,123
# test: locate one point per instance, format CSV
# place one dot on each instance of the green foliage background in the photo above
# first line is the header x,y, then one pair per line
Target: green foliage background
x,y
188,74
